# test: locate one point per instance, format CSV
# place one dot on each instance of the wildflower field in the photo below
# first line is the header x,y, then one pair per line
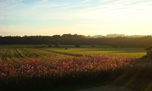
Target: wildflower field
x,y
57,70
40,68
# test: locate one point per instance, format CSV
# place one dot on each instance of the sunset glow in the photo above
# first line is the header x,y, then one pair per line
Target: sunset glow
x,y
86,17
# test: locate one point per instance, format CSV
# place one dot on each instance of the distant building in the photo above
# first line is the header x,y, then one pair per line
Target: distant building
x,y
149,52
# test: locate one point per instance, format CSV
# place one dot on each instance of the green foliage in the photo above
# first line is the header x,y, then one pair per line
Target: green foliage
x,y
115,46
43,45
68,39
11,52
93,45
57,44
49,45
78,45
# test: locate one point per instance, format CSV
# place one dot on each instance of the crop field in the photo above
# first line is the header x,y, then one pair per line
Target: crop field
x,y
37,67
11,53
123,52
33,52
43,73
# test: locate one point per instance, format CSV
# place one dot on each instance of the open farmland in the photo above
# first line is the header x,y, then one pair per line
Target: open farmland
x,y
75,45
37,73
49,72
33,51
11,53
37,67
123,52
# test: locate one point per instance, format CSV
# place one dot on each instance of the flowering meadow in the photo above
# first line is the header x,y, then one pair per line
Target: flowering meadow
x,y
53,71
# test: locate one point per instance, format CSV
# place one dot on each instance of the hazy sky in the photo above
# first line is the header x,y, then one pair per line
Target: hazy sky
x,y
87,17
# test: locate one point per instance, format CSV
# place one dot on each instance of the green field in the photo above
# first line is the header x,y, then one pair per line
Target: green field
x,y
11,53
23,52
125,52
34,51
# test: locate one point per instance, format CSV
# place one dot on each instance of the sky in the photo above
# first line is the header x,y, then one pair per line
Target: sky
x,y
85,17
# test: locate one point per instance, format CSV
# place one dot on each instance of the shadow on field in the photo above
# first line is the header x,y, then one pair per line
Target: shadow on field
x,y
136,81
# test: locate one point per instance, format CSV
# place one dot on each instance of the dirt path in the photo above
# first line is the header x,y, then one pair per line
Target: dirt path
x,y
107,88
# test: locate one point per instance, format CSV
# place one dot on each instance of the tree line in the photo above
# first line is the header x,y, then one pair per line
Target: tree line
x,y
68,39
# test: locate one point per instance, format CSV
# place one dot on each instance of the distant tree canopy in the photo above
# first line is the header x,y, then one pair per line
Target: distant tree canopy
x,y
68,39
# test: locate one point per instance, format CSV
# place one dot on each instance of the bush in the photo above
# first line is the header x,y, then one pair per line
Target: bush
x,y
93,45
49,45
57,44
78,45
43,45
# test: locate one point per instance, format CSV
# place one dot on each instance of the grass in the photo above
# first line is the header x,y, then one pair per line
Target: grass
x,y
32,51
12,53
124,52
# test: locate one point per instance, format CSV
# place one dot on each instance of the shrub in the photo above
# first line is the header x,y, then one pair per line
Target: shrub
x,y
92,45
57,44
43,45
78,45
49,45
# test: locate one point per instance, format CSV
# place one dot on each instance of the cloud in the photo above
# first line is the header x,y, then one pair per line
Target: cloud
x,y
44,0
87,0
94,14
47,6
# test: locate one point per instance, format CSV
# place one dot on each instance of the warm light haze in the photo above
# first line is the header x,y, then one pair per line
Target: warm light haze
x,y
86,17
